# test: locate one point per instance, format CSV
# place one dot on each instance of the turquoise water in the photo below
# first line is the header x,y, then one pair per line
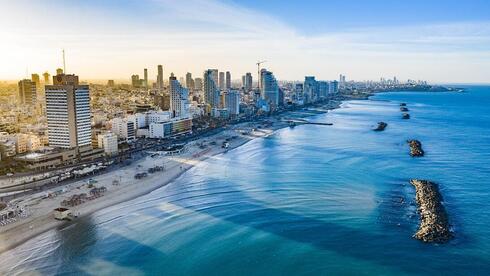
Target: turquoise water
x,y
313,200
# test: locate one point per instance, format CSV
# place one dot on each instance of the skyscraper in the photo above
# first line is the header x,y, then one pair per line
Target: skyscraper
x,y
248,82
160,77
135,81
27,92
68,112
310,89
145,75
211,91
179,97
228,80
198,84
35,79
46,77
232,99
189,82
268,88
222,81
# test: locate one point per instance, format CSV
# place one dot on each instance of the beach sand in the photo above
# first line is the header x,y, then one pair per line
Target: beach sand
x,y
41,217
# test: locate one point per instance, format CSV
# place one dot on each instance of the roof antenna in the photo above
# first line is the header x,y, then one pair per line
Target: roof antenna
x,y
64,64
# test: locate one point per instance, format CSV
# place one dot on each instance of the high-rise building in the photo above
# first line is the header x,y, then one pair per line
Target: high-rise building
x,y
59,71
247,81
310,89
46,77
222,84
228,80
232,99
211,91
160,77
268,88
35,79
68,112
145,76
198,84
322,89
333,87
135,81
298,91
27,92
179,98
189,82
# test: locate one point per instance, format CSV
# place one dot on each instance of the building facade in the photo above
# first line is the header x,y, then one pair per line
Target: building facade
x,y
68,112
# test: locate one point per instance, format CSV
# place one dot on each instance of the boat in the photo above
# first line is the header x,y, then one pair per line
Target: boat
x,y
404,109
406,116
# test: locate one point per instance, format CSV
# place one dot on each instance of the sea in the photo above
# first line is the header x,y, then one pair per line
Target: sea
x,y
308,200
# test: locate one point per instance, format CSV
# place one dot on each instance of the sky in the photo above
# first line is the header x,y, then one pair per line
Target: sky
x,y
439,41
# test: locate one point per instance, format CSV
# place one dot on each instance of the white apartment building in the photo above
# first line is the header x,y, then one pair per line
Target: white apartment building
x,y
108,142
124,129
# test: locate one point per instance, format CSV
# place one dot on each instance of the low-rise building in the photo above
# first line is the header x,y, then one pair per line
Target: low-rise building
x,y
170,128
108,142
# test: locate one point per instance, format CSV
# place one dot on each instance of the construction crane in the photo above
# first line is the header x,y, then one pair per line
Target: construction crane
x,y
258,72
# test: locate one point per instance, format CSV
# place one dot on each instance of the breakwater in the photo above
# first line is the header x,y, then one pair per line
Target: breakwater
x,y
434,225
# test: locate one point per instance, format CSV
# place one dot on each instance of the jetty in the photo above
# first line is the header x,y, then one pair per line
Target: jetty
x,y
381,126
415,148
294,122
434,225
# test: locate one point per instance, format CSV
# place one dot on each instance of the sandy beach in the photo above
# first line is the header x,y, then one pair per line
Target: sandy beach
x,y
40,208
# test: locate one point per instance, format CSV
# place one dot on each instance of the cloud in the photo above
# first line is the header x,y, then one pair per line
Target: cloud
x,y
106,39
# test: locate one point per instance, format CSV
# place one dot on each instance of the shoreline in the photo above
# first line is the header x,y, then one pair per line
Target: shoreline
x,y
16,234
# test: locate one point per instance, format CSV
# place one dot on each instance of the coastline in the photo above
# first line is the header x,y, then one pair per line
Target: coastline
x,y
42,220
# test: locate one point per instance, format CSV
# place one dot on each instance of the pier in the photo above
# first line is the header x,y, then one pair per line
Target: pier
x,y
293,122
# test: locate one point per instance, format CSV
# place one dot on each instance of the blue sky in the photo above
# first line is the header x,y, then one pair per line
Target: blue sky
x,y
440,41
312,16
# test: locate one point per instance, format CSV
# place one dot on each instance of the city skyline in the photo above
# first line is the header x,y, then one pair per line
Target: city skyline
x,y
449,47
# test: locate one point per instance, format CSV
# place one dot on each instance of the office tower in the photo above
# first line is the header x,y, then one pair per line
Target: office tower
x,y
243,81
35,79
135,81
298,91
211,91
232,99
310,89
198,84
189,82
68,112
46,77
179,97
160,78
268,88
322,89
145,76
222,80
110,83
228,80
59,71
27,92
248,82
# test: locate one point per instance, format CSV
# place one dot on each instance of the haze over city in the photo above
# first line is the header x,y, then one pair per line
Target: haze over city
x,y
362,39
